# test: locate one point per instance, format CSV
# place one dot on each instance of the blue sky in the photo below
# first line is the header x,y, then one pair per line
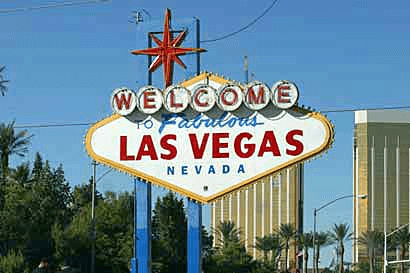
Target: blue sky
x,y
63,64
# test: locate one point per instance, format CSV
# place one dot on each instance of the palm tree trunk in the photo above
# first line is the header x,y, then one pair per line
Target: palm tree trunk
x,y
305,258
4,164
371,259
342,252
286,256
403,253
317,258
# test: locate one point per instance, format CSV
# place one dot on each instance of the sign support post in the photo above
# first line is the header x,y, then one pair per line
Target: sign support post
x,y
143,227
194,236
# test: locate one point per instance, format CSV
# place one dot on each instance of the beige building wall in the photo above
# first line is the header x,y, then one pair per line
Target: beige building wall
x,y
260,208
380,170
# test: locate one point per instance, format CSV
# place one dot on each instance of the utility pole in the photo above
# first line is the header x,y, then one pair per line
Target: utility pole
x,y
246,66
93,235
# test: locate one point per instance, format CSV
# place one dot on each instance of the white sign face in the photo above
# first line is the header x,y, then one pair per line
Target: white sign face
x,y
206,155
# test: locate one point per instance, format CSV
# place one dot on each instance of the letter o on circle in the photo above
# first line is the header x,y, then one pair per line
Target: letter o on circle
x,y
229,97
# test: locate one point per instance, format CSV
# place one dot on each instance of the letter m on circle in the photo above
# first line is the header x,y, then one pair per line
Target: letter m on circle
x,y
123,100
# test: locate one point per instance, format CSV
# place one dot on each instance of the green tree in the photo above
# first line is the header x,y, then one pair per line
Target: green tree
x,y
287,232
15,217
340,234
306,241
373,241
270,245
114,235
207,242
265,245
227,233
82,196
12,143
322,239
3,87
114,227
169,234
13,262
21,174
401,239
230,253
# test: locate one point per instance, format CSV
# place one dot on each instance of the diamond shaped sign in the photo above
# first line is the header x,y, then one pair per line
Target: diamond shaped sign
x,y
207,136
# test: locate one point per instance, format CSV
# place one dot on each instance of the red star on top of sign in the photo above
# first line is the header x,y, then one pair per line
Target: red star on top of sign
x,y
167,51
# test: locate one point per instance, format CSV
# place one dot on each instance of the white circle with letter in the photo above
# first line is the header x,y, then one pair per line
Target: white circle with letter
x,y
149,99
203,98
176,98
229,97
285,94
123,101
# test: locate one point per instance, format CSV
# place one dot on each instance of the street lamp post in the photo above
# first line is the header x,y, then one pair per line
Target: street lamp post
x,y
385,247
361,196
94,237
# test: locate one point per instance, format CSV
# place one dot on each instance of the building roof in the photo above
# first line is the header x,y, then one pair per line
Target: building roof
x,y
382,116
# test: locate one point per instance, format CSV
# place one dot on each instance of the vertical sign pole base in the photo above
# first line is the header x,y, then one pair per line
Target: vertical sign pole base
x,y
143,227
194,237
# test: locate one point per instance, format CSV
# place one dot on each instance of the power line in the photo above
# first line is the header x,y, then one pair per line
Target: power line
x,y
90,123
242,28
53,5
357,109
53,125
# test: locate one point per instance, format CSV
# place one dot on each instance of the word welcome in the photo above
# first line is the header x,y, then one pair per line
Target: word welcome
x,y
229,97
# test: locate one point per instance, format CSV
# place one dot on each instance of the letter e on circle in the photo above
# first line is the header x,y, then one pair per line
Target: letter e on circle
x,y
149,100
285,94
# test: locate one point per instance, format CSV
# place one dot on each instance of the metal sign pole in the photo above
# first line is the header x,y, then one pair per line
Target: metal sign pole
x,y
194,236
143,227
149,59
195,208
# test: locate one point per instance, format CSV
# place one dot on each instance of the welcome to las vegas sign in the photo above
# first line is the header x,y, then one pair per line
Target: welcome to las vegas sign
x,y
207,136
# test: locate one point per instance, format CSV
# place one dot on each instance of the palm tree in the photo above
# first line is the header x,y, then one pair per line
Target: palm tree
x,y
227,233
3,88
340,234
286,232
402,239
306,241
11,143
268,244
230,255
264,244
277,247
322,239
373,240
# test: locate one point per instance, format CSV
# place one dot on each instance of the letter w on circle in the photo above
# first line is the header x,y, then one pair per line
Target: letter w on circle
x,y
123,101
